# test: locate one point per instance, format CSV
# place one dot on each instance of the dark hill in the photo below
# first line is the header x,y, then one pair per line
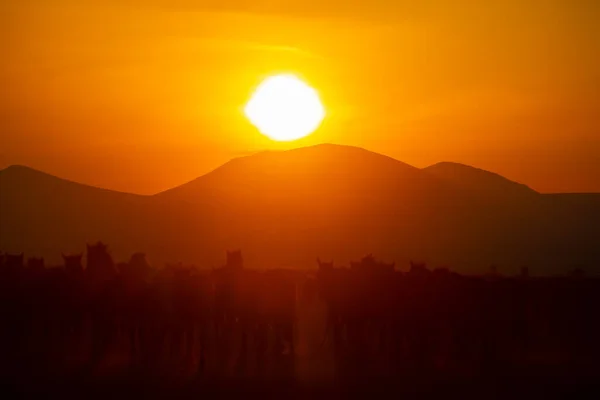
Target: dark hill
x,y
306,171
326,178
44,215
286,208
480,181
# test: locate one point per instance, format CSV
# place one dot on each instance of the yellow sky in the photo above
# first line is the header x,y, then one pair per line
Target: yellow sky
x,y
144,95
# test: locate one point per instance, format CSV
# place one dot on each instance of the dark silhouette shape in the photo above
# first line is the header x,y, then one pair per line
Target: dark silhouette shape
x,y
34,263
100,265
493,270
13,262
324,265
236,325
369,263
73,263
577,273
235,261
418,269
137,267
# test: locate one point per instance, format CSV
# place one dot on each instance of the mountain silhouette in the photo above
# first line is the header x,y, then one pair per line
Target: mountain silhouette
x,y
285,208
326,178
43,214
480,181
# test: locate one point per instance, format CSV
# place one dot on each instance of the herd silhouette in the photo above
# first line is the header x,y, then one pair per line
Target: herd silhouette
x,y
368,320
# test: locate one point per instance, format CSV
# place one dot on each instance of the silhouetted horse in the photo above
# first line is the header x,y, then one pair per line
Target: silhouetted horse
x,y
324,265
131,291
35,263
13,262
418,269
73,263
100,278
100,265
235,261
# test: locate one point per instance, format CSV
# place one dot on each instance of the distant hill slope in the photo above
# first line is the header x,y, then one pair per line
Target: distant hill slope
x,y
318,166
28,186
324,176
44,215
479,181
286,208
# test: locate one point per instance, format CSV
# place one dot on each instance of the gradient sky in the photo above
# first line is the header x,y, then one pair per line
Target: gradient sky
x,y
141,96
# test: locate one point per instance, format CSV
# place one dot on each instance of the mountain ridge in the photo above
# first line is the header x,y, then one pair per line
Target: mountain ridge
x,y
23,171
478,179
23,168
287,207
307,156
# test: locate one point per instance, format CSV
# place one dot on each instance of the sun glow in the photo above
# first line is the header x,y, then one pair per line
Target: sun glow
x,y
285,108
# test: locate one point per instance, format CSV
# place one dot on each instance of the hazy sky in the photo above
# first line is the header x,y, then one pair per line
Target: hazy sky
x,y
144,95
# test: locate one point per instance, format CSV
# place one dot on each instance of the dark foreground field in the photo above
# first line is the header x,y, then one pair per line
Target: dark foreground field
x,y
505,385
127,330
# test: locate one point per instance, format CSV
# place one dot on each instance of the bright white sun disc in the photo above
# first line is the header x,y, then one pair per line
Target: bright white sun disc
x,y
285,108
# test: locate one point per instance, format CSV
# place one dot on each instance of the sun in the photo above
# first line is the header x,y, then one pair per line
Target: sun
x,y
285,108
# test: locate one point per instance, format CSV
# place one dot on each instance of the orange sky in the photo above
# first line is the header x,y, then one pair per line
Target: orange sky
x,y
144,95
